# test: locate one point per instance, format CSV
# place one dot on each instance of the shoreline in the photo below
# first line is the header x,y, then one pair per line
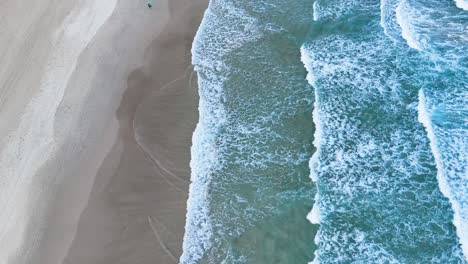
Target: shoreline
x,y
139,207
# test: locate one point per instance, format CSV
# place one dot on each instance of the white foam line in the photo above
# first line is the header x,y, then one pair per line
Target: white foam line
x,y
205,153
460,224
315,12
33,142
383,4
388,19
314,214
405,26
198,229
463,4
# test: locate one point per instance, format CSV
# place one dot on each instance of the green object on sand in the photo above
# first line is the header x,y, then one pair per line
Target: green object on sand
x,y
149,4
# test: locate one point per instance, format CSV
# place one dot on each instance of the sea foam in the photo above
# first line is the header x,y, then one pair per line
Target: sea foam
x,y
463,4
443,99
402,19
373,166
316,11
251,146
314,214
198,228
388,19
460,210
373,159
205,154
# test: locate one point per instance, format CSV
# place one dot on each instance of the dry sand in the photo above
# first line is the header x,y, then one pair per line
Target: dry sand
x,y
113,188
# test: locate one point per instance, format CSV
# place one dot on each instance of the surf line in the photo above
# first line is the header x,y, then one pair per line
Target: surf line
x,y
458,221
314,214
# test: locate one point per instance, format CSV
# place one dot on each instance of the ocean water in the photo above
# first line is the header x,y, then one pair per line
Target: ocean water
x,y
330,131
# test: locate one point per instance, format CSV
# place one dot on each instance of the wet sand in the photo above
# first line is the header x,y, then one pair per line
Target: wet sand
x,y
114,190
136,212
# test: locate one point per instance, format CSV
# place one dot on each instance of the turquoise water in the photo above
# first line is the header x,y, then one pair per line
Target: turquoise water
x,y
378,169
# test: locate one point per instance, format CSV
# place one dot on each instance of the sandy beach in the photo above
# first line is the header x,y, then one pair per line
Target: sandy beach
x,y
98,103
